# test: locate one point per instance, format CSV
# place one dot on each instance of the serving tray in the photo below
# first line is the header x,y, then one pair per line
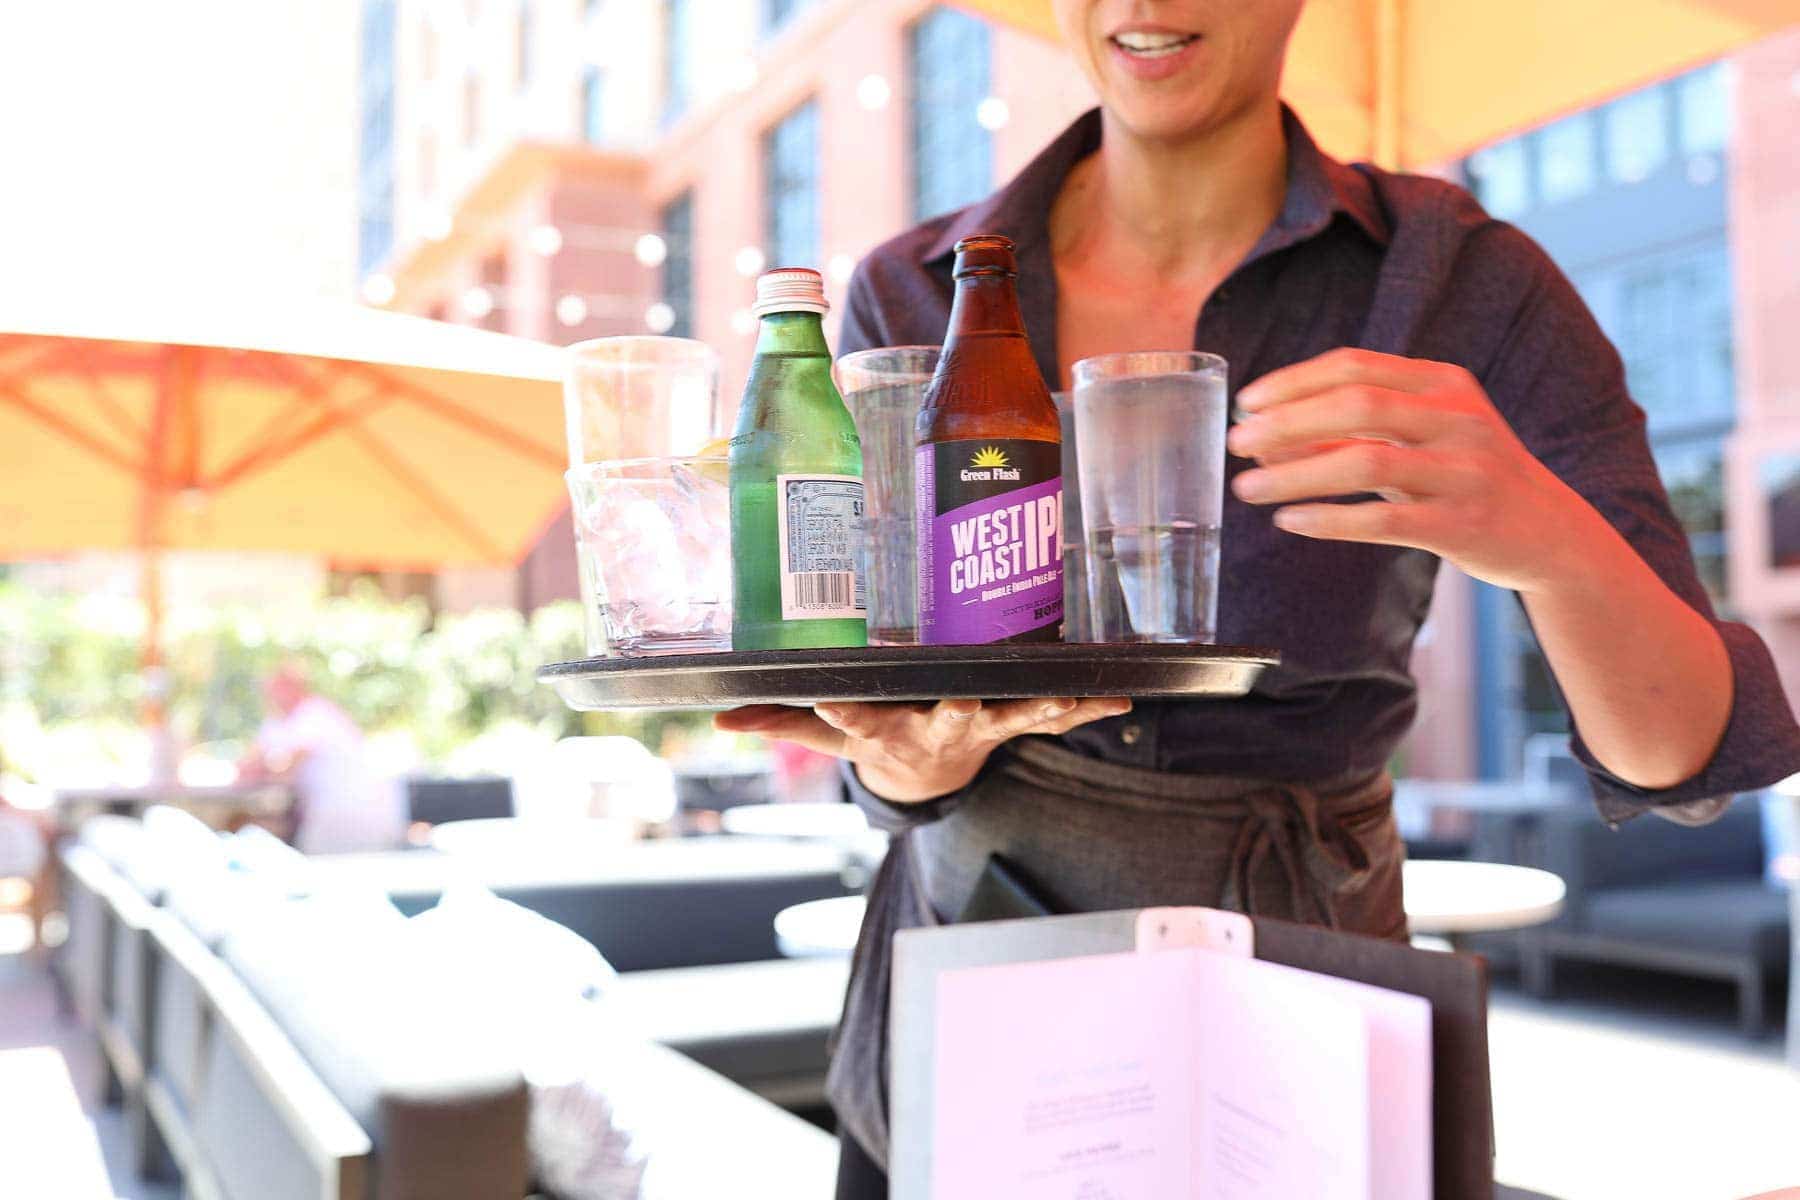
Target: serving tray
x,y
997,672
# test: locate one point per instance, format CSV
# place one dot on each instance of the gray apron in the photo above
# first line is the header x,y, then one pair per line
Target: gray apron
x,y
1101,836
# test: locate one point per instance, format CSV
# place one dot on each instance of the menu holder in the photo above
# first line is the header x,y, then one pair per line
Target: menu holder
x,y
929,965
1005,671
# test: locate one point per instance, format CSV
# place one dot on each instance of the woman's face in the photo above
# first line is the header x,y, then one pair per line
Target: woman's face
x,y
1171,69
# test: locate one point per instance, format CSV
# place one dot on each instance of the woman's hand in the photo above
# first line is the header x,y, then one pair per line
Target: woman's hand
x,y
1453,477
913,752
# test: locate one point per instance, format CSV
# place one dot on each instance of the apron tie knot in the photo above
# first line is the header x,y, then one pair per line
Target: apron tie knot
x,y
1318,858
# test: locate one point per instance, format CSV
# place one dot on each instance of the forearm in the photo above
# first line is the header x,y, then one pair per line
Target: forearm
x,y
1645,676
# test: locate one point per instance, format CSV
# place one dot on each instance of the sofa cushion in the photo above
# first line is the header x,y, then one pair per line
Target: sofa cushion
x,y
750,1022
509,943
1744,917
426,1067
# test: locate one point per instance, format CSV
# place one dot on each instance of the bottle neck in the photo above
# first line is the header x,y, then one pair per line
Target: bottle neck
x,y
985,304
792,333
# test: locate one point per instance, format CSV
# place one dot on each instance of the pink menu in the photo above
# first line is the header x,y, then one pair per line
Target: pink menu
x,y
1178,1075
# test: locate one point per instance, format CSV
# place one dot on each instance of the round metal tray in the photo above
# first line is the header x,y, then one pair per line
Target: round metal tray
x,y
997,672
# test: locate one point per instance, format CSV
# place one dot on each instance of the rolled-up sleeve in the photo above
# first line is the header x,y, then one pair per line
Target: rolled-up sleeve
x,y
1561,385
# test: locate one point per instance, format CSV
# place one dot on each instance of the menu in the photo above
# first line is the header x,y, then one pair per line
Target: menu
x,y
1182,1073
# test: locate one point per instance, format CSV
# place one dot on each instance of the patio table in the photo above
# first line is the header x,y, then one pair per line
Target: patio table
x,y
217,804
1444,898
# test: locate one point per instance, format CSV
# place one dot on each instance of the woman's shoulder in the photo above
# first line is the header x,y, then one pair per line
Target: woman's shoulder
x,y
907,253
899,294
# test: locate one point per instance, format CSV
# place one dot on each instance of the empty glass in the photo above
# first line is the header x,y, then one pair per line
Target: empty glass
x,y
654,536
883,389
1151,434
641,397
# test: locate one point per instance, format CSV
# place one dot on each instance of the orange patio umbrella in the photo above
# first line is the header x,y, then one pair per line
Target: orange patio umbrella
x,y
366,437
1411,83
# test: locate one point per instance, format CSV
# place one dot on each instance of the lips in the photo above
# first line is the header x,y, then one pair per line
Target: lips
x,y
1144,44
1150,55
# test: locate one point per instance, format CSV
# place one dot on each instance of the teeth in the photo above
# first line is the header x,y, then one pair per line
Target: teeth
x,y
1144,43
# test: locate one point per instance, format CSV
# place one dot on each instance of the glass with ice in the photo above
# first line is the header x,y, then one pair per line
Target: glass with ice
x,y
655,542
1151,431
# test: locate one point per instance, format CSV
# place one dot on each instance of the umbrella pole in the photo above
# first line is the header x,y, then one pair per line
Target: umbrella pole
x,y
156,681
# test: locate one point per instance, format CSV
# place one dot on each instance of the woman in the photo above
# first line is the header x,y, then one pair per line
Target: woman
x,y
1387,341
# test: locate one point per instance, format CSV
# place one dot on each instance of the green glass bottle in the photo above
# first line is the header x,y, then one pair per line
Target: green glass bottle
x,y
796,483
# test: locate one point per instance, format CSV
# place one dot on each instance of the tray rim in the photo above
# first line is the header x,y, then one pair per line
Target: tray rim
x,y
734,661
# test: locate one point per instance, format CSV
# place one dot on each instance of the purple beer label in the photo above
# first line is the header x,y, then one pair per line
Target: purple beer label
x,y
990,541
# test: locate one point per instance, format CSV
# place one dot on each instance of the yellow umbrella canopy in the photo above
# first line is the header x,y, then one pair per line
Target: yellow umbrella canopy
x,y
367,437
1409,83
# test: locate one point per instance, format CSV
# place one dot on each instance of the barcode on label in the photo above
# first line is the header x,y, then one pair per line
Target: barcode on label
x,y
824,589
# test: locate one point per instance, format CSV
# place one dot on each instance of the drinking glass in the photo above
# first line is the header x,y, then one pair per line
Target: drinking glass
x,y
630,398
654,536
883,389
1151,434
1078,621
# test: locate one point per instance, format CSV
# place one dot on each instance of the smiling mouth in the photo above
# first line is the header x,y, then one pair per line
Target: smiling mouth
x,y
1153,45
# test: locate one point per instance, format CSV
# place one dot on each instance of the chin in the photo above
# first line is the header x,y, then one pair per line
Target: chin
x,y
1163,120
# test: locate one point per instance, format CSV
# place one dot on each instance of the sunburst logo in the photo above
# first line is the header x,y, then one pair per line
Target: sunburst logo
x,y
989,456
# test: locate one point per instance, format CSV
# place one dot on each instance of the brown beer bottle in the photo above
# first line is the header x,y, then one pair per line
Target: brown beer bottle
x,y
988,469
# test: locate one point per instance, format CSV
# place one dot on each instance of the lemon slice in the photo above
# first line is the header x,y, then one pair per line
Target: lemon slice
x,y
716,472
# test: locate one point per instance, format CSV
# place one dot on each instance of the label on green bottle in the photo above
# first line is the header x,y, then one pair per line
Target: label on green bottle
x,y
990,541
819,519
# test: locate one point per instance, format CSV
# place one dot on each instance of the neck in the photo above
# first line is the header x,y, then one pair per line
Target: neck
x,y
1182,209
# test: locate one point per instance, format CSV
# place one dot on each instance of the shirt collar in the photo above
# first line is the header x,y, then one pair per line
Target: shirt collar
x,y
1318,188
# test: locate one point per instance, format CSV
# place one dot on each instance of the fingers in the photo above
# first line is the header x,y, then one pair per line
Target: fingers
x,y
1352,411
1392,472
778,721
1373,521
1084,712
1338,368
951,721
749,718
1014,718
1007,719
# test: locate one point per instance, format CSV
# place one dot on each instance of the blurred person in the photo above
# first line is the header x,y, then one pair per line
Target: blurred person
x,y
341,802
1390,345
27,872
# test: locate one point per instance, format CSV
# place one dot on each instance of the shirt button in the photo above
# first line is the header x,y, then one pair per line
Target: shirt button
x,y
1130,734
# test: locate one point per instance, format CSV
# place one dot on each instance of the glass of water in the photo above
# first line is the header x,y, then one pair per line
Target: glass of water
x,y
1151,432
883,389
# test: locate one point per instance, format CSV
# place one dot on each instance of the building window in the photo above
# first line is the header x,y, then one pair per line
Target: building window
x,y
776,13
677,43
375,157
952,165
522,63
1637,135
593,99
1568,159
791,188
1501,175
1704,101
678,262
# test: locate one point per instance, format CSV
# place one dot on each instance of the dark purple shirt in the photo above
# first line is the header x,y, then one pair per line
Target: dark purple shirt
x,y
1394,263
